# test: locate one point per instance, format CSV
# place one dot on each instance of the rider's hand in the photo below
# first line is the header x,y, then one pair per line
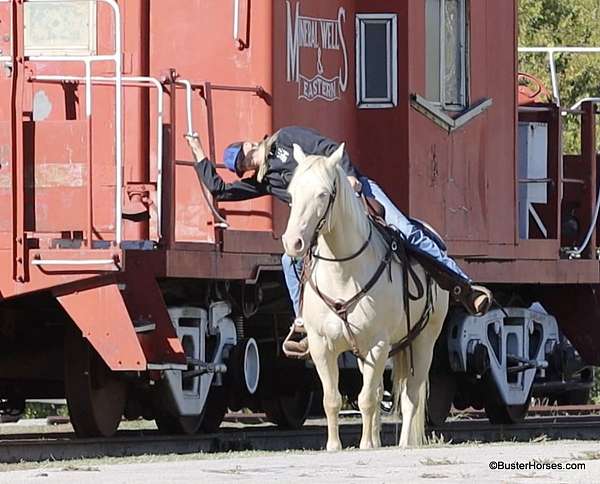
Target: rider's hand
x,y
195,145
355,184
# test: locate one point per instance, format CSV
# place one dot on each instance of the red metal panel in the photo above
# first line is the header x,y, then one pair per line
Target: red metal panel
x,y
377,140
203,49
146,305
57,176
110,332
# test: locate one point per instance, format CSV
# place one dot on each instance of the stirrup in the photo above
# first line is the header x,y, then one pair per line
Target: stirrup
x,y
295,349
298,325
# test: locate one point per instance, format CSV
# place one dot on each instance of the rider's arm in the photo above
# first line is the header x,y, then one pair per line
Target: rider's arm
x,y
327,147
245,189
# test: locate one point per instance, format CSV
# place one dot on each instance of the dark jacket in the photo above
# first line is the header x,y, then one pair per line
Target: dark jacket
x,y
280,168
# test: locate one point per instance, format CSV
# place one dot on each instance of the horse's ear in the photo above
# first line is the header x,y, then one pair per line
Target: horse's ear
x,y
337,155
299,155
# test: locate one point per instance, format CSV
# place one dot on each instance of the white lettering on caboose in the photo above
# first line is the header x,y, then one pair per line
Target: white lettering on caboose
x,y
318,34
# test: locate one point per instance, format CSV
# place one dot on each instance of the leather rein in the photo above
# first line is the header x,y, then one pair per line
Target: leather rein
x,y
342,307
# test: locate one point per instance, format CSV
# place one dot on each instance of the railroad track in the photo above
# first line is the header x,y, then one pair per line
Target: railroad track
x,y
61,446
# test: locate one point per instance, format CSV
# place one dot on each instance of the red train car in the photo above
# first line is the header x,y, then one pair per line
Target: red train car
x,y
127,289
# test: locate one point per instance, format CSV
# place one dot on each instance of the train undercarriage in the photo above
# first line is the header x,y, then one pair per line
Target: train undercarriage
x,y
231,334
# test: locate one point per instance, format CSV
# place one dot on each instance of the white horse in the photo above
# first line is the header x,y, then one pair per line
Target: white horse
x,y
326,209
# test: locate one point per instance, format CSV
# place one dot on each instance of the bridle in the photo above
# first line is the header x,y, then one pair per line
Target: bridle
x,y
339,306
322,221
342,307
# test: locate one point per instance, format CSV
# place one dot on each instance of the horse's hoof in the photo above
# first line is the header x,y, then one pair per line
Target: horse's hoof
x,y
334,447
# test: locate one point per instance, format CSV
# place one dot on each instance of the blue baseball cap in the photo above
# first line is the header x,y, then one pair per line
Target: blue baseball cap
x,y
233,156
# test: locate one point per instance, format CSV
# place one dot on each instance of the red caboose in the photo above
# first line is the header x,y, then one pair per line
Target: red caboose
x,y
127,289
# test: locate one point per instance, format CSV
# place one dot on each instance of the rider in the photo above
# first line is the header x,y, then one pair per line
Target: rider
x,y
272,165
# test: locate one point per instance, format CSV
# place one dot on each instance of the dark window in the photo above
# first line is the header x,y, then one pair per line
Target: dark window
x,y
376,60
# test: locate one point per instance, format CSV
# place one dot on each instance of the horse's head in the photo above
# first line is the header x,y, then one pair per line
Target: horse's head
x,y
313,191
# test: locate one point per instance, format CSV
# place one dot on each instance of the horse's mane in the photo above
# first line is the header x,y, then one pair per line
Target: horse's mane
x,y
318,167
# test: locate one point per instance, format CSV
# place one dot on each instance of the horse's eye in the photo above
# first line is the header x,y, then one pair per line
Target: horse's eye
x,y
323,195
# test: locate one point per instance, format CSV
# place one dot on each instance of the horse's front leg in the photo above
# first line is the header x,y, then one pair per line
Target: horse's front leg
x,y
326,363
376,426
369,399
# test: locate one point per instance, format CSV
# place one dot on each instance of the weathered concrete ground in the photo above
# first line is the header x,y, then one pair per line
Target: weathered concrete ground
x,y
447,464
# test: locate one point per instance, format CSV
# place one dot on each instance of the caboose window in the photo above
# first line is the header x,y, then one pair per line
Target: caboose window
x,y
376,61
446,51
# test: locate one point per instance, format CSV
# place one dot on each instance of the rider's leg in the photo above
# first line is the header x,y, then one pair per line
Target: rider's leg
x,y
292,268
449,275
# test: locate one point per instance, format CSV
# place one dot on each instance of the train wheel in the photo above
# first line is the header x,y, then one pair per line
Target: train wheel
x,y
289,411
96,396
442,389
214,410
500,413
168,424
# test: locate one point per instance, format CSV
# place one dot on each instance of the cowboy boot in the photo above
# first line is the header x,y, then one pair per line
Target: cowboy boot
x,y
477,300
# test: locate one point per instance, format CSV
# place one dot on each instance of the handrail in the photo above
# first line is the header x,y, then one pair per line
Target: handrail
x,y
73,262
578,104
188,102
576,252
220,222
236,19
551,51
117,58
131,81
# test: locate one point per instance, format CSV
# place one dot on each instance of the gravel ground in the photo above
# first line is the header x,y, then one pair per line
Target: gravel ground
x,y
452,463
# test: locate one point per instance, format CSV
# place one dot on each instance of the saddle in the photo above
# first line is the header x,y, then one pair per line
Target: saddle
x,y
440,274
